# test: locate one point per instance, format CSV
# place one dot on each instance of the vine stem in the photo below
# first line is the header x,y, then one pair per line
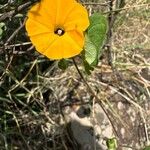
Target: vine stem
x,y
98,100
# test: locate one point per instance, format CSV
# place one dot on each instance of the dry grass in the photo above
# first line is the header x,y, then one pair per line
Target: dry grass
x,y
34,93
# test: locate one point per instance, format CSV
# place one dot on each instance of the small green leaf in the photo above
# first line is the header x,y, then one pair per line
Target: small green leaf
x,y
63,64
111,144
19,15
2,24
88,68
2,28
1,32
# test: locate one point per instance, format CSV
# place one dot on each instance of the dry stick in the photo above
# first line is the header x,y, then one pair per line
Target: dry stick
x,y
92,3
15,32
8,40
122,95
145,128
109,33
11,58
16,45
111,19
126,8
108,45
13,12
17,123
94,95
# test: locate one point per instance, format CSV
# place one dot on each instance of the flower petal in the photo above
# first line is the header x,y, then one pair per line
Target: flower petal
x,y
77,36
78,18
64,7
43,41
43,12
68,45
35,28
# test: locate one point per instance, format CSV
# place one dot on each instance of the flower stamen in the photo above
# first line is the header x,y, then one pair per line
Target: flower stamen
x,y
59,31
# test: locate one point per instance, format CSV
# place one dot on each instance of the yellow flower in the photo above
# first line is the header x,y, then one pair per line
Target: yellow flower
x,y
56,27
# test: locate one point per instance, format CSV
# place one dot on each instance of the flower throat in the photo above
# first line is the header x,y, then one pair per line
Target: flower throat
x,y
59,31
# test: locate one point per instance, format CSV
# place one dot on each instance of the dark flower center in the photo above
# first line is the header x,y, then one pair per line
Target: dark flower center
x,y
59,31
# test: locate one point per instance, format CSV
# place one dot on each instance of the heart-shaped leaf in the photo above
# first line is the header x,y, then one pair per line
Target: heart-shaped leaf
x,y
95,38
97,30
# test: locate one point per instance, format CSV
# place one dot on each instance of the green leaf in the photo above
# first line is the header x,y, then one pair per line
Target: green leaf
x,y
2,24
90,51
1,32
94,40
2,28
97,30
88,68
19,15
111,144
63,64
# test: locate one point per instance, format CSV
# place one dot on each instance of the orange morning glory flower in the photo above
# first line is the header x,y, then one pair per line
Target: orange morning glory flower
x,y
56,27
